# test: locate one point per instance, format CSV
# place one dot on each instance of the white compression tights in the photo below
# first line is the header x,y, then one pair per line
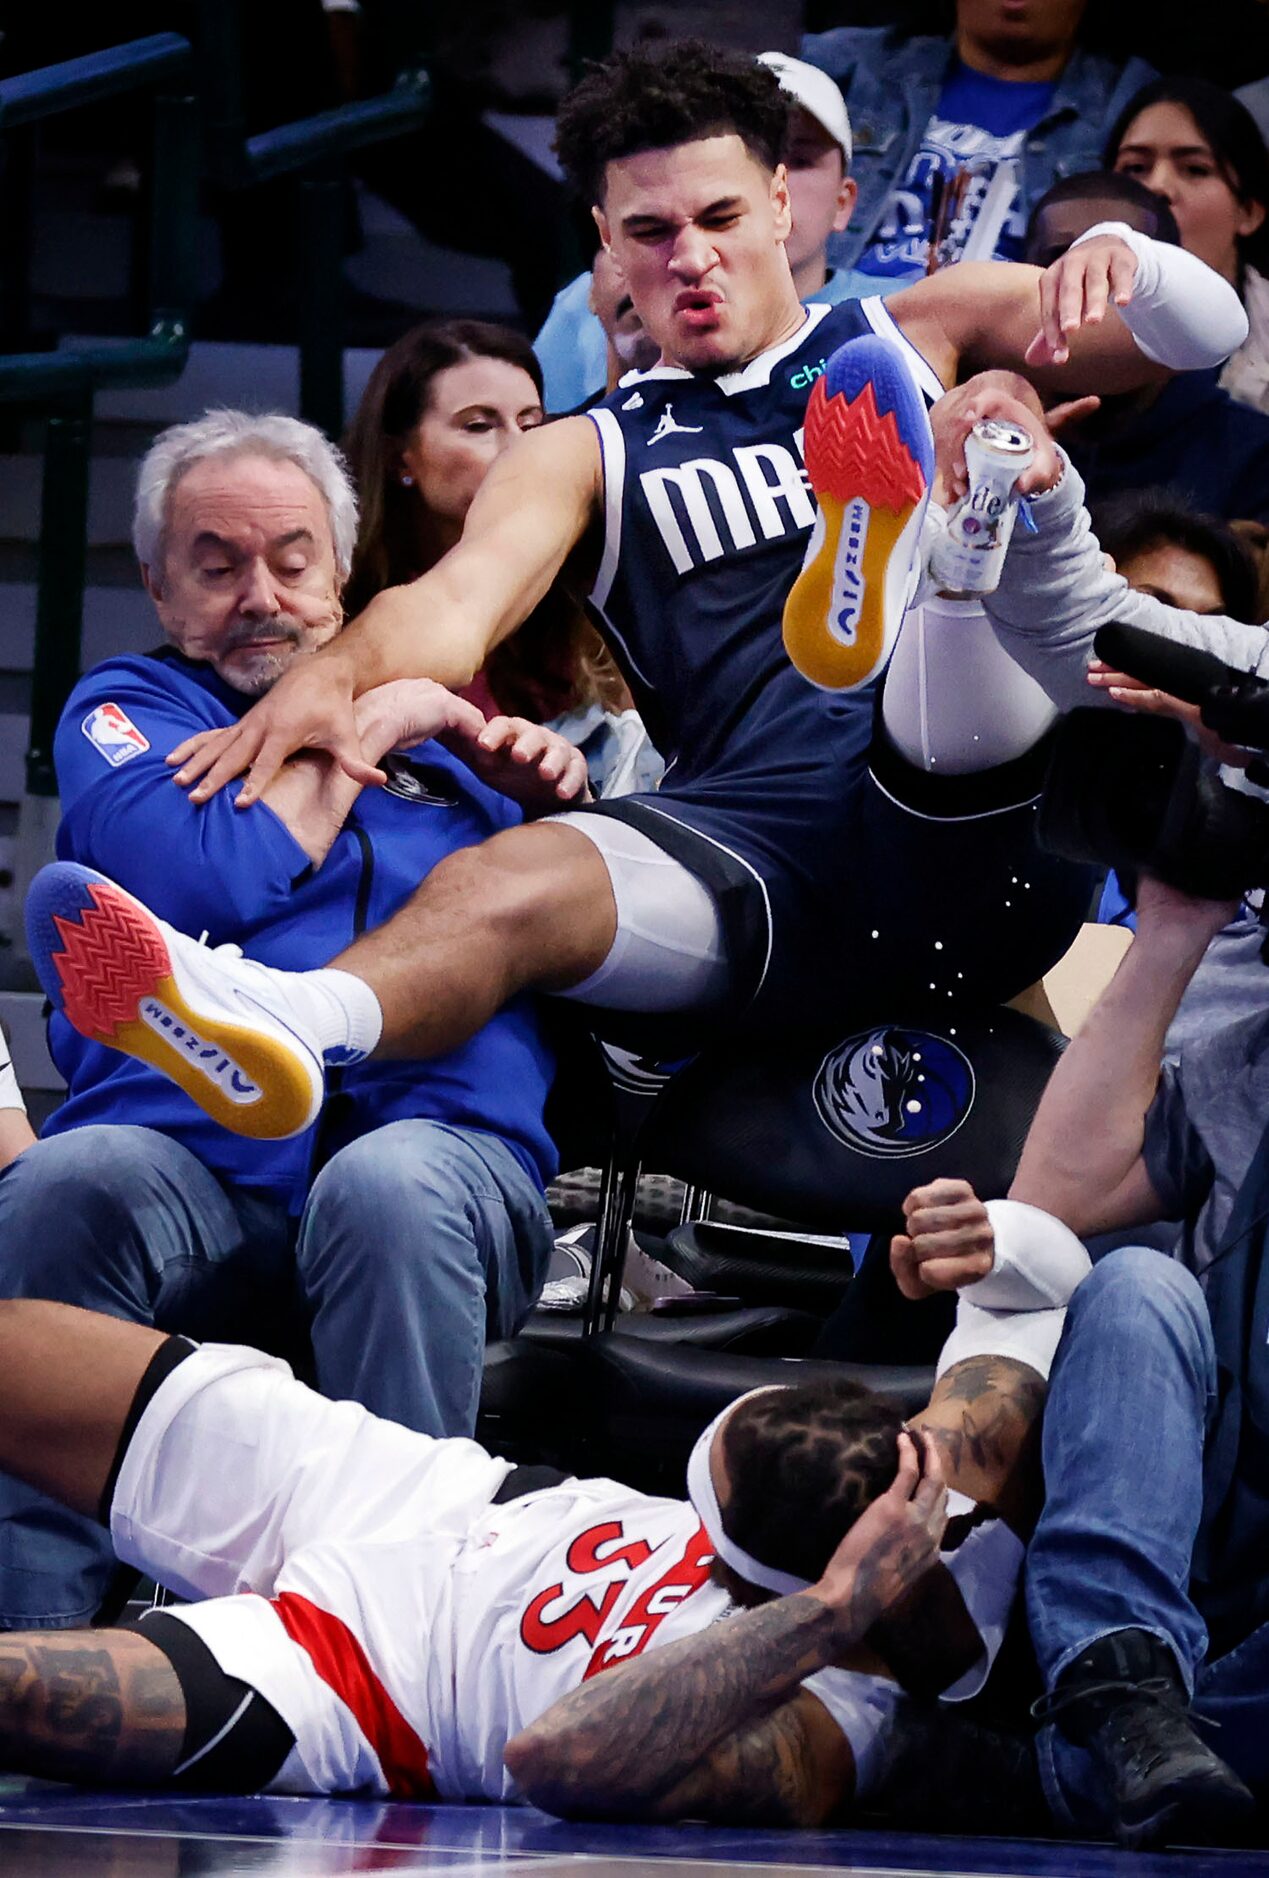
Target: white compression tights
x,y
955,702
668,954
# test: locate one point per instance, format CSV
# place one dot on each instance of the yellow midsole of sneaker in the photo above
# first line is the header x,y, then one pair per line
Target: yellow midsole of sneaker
x,y
285,1105
813,649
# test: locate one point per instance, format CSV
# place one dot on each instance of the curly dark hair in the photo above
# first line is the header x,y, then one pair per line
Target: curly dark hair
x,y
803,1464
1135,520
653,100
1099,186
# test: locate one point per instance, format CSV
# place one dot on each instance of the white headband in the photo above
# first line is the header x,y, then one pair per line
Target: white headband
x,y
700,1491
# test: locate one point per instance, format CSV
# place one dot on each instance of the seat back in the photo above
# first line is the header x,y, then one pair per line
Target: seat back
x,y
631,1406
835,1131
602,1094
649,1400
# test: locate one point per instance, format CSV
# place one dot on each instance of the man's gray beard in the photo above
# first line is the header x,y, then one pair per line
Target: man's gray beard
x,y
257,675
254,675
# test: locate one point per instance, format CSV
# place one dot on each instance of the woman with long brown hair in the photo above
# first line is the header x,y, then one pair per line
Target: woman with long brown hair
x,y
440,407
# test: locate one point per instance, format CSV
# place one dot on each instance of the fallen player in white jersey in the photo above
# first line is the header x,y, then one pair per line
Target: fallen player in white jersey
x,y
379,1616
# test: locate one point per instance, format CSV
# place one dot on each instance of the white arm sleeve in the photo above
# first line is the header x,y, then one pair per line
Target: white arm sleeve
x,y
955,699
1039,1261
1182,313
1029,1337
1018,1309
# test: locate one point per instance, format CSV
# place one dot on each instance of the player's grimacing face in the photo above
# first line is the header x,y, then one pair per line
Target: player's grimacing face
x,y
698,231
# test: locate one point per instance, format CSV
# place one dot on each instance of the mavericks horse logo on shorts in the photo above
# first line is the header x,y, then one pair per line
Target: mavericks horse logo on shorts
x,y
892,1092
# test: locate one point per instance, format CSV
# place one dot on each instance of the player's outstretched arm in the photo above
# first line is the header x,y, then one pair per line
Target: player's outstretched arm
x,y
714,1726
1056,589
1116,312
534,507
1094,1178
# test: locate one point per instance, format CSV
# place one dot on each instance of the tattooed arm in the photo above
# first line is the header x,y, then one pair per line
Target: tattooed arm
x,y
985,1412
984,1417
715,1726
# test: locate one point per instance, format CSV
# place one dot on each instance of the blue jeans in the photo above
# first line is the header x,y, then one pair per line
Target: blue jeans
x,y
1132,1389
416,1243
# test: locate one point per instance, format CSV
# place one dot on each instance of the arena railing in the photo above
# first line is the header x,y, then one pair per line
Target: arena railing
x,y
312,150
58,386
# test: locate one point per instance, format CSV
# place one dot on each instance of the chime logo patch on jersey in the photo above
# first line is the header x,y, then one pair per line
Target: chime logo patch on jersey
x,y
892,1092
113,734
424,783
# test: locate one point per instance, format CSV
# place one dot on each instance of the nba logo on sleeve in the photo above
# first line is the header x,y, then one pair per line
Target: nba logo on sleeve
x,y
113,733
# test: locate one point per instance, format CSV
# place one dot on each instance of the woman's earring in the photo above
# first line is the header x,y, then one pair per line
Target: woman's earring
x,y
407,482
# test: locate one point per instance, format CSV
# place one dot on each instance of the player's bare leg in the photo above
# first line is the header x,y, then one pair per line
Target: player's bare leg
x,y
532,907
90,1705
67,1381
102,1707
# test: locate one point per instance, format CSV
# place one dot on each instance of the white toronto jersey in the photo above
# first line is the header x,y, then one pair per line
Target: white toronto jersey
x,y
403,1625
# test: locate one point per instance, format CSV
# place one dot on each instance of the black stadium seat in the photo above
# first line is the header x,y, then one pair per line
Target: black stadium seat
x,y
832,1132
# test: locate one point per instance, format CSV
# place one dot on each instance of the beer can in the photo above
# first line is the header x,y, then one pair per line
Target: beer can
x,y
968,556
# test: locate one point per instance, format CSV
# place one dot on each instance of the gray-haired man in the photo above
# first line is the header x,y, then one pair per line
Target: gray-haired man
x,y
409,1218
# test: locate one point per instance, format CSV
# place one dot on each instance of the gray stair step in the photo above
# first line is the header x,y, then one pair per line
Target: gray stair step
x,y
398,263
106,564
250,377
116,619
22,1013
110,491
14,735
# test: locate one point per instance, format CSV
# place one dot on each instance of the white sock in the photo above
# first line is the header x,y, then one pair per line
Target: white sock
x,y
10,1094
342,1012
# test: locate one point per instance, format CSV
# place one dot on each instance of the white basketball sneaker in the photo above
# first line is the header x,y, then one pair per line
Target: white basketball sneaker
x,y
220,1025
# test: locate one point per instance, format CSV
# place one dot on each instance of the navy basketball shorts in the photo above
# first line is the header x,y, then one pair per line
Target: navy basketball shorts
x,y
899,891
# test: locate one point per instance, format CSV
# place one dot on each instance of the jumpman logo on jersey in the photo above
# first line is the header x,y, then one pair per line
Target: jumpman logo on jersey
x,y
667,427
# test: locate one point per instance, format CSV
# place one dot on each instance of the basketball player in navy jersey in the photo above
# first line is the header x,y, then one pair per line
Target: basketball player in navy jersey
x,y
792,862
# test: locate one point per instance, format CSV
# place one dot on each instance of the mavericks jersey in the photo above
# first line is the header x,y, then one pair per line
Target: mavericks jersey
x,y
708,510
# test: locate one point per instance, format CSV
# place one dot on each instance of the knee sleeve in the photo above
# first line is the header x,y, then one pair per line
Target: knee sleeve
x,y
235,1741
669,952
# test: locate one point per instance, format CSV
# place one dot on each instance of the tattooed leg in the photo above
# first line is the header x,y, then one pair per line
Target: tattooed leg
x,y
67,1379
101,1707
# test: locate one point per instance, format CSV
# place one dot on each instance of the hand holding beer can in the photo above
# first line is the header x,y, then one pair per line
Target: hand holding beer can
x,y
968,556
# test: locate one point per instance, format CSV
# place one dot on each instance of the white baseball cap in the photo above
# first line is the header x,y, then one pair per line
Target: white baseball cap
x,y
815,92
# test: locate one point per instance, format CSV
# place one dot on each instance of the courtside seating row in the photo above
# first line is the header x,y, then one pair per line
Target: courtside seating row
x,y
829,1130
